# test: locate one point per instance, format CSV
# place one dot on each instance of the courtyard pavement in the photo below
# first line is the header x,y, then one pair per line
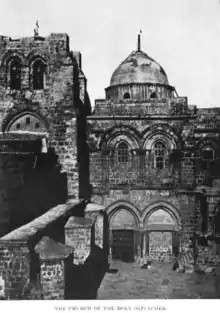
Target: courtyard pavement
x,y
158,282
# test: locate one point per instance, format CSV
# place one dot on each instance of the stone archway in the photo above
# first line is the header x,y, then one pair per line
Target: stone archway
x,y
27,122
123,224
162,226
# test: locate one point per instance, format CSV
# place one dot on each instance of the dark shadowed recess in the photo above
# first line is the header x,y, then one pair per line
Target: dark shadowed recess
x,y
42,187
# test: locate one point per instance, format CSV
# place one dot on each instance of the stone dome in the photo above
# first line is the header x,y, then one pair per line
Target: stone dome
x,y
138,67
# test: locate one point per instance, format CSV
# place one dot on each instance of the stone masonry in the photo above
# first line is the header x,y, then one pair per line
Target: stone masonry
x,y
42,120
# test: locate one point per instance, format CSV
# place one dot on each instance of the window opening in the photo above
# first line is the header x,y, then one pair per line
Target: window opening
x,y
15,75
126,95
38,75
153,95
123,154
160,156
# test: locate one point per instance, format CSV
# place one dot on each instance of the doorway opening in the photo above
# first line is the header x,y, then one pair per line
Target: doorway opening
x,y
123,245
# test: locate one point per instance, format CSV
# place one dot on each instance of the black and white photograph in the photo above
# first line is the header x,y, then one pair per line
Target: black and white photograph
x,y
109,154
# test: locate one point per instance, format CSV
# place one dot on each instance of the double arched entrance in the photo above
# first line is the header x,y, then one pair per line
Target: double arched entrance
x,y
155,234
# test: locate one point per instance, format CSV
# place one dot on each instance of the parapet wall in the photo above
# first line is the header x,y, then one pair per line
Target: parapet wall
x,y
45,259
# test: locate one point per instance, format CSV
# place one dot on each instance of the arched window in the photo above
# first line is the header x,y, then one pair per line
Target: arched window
x,y
160,155
38,75
15,75
153,95
122,152
126,95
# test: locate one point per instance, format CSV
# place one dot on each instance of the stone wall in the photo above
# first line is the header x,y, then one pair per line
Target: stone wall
x,y
139,198
208,118
208,256
14,267
52,280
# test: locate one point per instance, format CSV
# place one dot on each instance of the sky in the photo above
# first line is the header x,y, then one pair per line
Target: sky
x,y
182,35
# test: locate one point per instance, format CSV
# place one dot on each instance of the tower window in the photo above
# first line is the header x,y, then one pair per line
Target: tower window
x,y
126,95
15,75
38,75
27,120
122,153
160,156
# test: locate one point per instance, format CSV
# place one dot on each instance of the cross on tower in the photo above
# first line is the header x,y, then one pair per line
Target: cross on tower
x,y
36,33
139,41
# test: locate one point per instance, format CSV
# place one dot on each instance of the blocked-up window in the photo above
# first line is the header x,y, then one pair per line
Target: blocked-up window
x,y
207,154
122,152
38,75
15,75
160,155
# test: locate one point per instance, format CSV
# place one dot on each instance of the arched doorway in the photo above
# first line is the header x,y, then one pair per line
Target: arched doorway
x,y
123,225
162,235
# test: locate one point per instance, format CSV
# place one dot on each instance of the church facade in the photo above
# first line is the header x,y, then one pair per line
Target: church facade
x,y
154,164
147,156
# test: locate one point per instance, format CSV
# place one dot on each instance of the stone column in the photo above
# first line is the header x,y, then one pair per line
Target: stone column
x,y
105,169
78,234
55,259
187,202
100,219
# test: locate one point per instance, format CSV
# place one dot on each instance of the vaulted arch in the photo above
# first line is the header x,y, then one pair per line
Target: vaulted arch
x,y
26,121
10,55
161,132
130,134
12,64
34,55
125,205
167,207
122,137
